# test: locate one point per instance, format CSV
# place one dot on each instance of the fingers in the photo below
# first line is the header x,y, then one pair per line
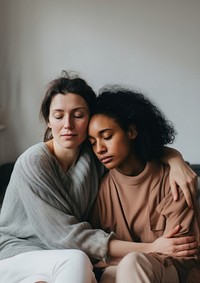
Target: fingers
x,y
193,186
185,246
174,191
185,178
186,250
187,194
190,191
185,240
190,188
173,232
186,253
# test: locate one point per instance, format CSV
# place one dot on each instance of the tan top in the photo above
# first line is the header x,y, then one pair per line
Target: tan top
x,y
141,209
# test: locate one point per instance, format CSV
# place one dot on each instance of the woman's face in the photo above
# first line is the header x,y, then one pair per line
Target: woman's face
x,y
111,144
68,119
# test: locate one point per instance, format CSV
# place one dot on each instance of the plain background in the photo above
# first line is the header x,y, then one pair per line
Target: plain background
x,y
152,46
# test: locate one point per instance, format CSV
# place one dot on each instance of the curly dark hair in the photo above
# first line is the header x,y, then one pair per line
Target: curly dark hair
x,y
127,108
64,84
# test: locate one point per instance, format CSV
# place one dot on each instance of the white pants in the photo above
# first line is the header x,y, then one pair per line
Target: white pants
x,y
140,268
51,266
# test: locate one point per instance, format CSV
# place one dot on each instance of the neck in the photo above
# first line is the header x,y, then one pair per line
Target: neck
x,y
66,157
133,166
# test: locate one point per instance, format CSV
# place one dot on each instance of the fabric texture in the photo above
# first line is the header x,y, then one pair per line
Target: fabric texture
x,y
52,266
141,209
147,269
45,208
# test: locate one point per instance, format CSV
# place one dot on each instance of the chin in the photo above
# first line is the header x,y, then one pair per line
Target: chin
x,y
109,166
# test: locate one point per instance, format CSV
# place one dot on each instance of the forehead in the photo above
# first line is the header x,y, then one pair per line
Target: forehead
x,y
68,100
100,122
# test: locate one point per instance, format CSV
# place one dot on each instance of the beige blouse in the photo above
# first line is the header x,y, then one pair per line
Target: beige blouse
x,y
141,209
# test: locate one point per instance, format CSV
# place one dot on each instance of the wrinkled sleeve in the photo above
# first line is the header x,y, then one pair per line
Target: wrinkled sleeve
x,y
178,212
51,216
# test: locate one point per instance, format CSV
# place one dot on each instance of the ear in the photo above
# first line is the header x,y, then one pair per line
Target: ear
x,y
49,125
132,132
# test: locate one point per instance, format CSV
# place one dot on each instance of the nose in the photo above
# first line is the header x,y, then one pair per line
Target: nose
x,y
68,124
100,148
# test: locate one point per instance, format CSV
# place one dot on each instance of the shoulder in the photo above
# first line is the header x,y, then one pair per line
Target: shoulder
x,y
89,157
35,152
106,185
34,159
158,168
157,174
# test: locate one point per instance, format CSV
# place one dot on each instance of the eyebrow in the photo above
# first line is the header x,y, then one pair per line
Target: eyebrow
x,y
74,109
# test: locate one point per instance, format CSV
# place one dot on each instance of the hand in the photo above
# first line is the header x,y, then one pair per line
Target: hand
x,y
183,176
178,247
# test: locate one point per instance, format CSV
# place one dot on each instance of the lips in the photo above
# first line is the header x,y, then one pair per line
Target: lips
x,y
68,136
106,159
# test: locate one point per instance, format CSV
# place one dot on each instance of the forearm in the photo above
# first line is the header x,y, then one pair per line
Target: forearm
x,y
182,246
171,155
118,249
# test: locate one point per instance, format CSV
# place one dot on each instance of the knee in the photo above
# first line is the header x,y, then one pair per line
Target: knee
x,y
79,256
131,260
73,261
140,263
134,261
78,259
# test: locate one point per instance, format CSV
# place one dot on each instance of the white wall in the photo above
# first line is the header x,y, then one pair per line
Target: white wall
x,y
150,45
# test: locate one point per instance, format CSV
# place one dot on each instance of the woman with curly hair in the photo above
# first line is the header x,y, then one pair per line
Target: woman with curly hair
x,y
44,232
128,134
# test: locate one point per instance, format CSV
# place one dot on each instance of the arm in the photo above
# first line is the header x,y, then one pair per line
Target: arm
x,y
180,175
175,246
181,246
166,244
51,211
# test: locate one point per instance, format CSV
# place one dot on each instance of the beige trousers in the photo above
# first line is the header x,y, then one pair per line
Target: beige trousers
x,y
140,268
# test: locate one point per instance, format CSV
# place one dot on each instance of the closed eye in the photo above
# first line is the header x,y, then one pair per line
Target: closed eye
x,y
79,113
58,117
78,116
92,142
107,138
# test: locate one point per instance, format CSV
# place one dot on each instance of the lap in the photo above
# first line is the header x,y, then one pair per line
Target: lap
x,y
135,267
41,265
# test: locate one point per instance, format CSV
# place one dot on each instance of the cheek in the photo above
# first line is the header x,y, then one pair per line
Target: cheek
x,y
126,148
123,146
52,123
55,126
84,125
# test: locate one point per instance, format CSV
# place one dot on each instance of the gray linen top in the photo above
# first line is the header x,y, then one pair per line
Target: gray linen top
x,y
45,208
